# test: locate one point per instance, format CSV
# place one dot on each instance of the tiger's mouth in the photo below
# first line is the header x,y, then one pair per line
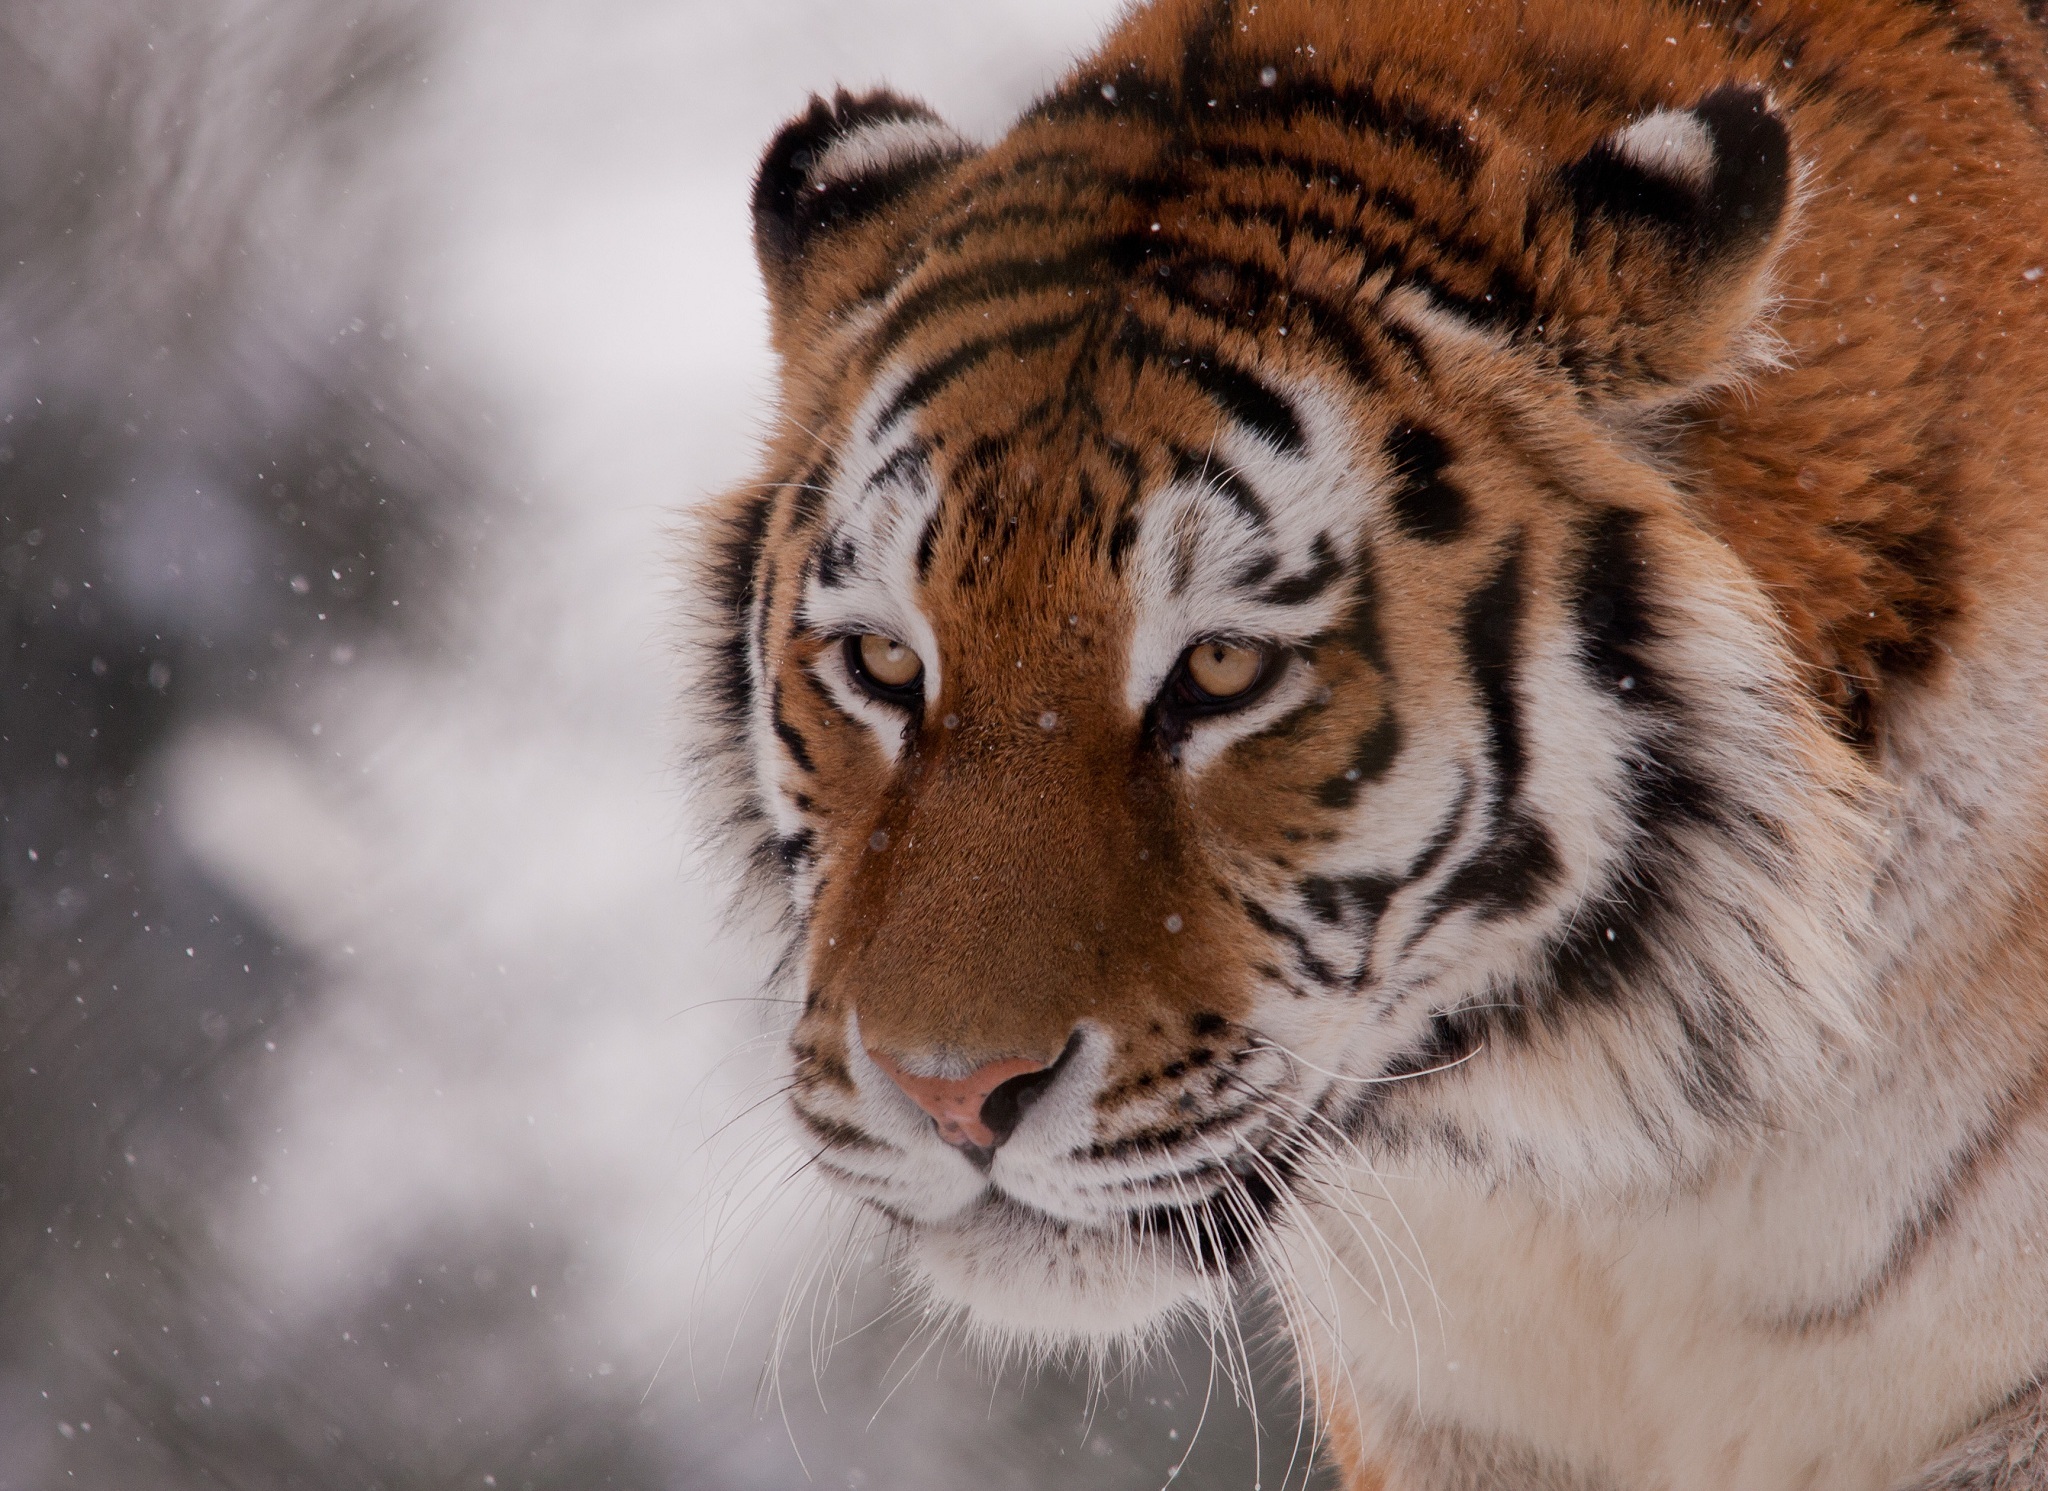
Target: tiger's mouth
x,y
1215,1231
1120,1267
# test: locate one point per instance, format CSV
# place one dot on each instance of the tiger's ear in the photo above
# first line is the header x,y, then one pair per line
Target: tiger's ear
x,y
841,166
1675,220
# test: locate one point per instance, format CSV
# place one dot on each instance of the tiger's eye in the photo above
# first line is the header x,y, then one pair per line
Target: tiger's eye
x,y
1223,670
888,662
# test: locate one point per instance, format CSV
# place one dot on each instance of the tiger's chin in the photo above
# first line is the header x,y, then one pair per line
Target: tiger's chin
x,y
1018,1279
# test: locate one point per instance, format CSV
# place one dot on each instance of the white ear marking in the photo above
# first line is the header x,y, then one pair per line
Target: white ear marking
x,y
1672,143
882,146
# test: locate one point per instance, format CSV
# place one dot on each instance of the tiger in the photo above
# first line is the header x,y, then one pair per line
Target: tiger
x,y
1391,666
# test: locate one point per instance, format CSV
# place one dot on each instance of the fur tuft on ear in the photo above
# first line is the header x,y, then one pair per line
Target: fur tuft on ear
x,y
1674,221
834,167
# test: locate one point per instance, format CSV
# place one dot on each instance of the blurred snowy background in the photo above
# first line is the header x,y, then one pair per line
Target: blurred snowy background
x,y
379,1104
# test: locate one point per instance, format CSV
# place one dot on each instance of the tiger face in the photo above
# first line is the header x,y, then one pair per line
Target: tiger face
x,y
1220,672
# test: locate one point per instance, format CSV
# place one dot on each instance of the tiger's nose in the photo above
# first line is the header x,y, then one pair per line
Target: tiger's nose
x,y
980,1109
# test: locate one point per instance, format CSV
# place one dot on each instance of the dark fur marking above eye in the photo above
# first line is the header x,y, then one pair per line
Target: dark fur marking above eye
x,y
1325,565
1370,760
1121,538
1256,572
927,542
1331,900
1425,504
910,466
1222,478
836,560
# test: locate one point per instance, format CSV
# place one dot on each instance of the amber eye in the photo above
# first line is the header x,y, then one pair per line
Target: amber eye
x,y
1223,671
884,667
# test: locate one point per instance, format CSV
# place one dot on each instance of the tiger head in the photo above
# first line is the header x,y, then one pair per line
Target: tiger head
x,y
1219,676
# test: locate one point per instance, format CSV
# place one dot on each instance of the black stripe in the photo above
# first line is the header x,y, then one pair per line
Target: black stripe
x,y
1128,94
1936,1210
1223,478
836,560
1505,877
1296,96
1121,537
1330,898
795,850
1519,860
1446,834
1711,1073
1360,629
1220,1233
1305,955
1499,300
1019,340
1289,216
1237,392
1370,760
1424,503
833,1133
911,464
735,556
1491,631
1432,855
1177,283
927,541
1081,268
1311,168
1325,566
812,488
1256,571
1610,607
791,738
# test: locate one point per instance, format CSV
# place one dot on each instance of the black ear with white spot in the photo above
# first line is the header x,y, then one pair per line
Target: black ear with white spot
x,y
1714,178
1675,219
838,165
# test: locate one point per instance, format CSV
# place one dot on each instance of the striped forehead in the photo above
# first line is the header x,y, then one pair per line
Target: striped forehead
x,y
1249,538
1250,542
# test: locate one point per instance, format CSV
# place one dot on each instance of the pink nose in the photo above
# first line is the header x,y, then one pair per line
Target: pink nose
x,y
955,1104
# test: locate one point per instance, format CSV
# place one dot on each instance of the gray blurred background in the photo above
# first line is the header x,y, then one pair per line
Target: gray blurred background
x,y
380,1105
